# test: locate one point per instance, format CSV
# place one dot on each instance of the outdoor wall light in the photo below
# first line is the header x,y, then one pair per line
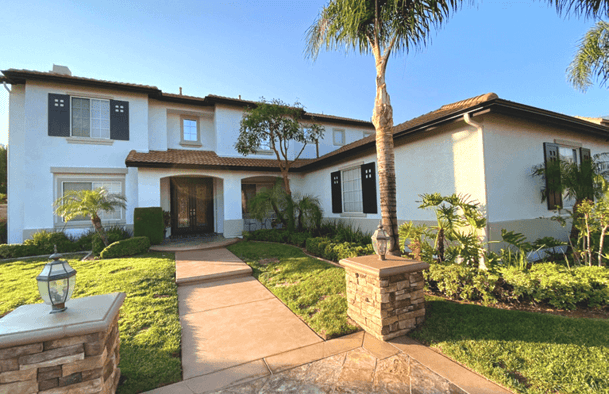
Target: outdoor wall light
x,y
379,242
56,283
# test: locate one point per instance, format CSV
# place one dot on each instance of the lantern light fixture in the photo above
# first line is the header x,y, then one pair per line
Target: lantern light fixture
x,y
379,241
56,283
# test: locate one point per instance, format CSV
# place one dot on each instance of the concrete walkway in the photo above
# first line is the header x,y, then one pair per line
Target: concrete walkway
x,y
237,337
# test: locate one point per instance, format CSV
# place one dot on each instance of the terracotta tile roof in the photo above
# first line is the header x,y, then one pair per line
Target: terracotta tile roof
x,y
19,76
201,159
370,141
600,121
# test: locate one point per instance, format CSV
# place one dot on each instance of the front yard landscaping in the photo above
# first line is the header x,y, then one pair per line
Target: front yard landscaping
x,y
527,352
313,289
149,324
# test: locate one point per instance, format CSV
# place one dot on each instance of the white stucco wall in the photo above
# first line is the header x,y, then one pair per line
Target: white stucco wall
x,y
34,152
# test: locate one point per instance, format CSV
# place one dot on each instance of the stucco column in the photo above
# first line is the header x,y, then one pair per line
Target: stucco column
x,y
233,217
148,189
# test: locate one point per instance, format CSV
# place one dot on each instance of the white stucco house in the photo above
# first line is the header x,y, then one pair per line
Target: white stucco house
x,y
177,152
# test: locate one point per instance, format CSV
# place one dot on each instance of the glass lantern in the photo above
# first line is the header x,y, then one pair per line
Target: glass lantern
x,y
56,283
379,242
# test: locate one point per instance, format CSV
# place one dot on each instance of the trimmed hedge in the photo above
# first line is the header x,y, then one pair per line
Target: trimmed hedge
x,y
149,222
327,248
547,283
126,247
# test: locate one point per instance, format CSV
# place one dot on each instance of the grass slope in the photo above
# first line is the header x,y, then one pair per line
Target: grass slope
x,y
312,289
528,352
149,323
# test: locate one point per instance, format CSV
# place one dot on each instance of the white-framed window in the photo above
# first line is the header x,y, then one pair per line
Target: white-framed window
x,y
338,137
352,190
265,144
90,118
190,130
114,184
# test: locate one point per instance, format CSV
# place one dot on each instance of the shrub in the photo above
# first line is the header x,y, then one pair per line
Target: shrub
x,y
45,241
148,222
345,232
328,250
268,235
559,286
462,282
18,250
126,247
299,239
114,234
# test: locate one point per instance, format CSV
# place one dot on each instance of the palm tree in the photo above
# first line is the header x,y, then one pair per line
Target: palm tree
x,y
382,27
89,203
591,60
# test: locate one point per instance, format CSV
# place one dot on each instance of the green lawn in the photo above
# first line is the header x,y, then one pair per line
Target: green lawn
x,y
312,289
528,352
149,324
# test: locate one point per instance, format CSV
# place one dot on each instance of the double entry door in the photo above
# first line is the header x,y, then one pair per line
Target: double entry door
x,y
192,206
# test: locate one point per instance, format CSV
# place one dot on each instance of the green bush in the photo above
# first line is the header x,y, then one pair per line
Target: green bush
x,y
299,239
45,241
126,247
8,251
149,222
114,234
559,286
462,282
268,235
340,231
325,248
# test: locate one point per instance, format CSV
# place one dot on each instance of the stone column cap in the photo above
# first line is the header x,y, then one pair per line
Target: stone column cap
x,y
392,265
33,323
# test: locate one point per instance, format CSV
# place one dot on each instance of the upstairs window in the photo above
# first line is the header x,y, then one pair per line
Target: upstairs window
x,y
338,137
189,127
90,118
87,118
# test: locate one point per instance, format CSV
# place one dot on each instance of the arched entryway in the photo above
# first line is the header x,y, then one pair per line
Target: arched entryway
x,y
192,205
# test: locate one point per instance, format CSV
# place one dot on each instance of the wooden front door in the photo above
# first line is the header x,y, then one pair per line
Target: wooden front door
x,y
192,206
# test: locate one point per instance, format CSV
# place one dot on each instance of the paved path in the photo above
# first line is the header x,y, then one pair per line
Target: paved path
x,y
237,337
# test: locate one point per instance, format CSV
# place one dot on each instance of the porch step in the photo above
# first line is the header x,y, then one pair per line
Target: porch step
x,y
187,246
200,266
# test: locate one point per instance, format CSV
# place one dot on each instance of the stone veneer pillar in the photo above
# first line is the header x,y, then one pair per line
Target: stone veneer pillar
x,y
76,351
385,297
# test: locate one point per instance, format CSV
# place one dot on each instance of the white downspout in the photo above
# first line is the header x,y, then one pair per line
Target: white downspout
x,y
485,237
6,87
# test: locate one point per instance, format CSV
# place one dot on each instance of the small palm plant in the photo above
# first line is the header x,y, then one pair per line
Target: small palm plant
x,y
89,203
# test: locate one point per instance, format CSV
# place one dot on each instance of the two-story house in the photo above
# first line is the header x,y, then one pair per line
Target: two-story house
x,y
155,148
177,152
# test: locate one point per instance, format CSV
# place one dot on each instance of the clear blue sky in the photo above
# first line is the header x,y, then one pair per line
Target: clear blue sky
x,y
517,49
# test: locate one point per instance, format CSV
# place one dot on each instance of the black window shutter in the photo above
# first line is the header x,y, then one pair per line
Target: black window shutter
x,y
552,163
586,171
59,115
369,188
337,201
119,120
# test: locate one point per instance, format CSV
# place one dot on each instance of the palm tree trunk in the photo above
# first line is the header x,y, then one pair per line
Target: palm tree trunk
x,y
100,230
382,118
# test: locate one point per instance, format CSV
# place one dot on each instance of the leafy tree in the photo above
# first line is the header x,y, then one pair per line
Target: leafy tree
x,y
380,27
276,124
89,203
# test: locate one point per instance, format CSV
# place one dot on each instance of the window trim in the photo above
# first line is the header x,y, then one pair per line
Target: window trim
x,y
58,192
341,131
184,142
91,140
357,168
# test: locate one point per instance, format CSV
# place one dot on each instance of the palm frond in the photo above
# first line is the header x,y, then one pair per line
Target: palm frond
x,y
586,8
591,61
